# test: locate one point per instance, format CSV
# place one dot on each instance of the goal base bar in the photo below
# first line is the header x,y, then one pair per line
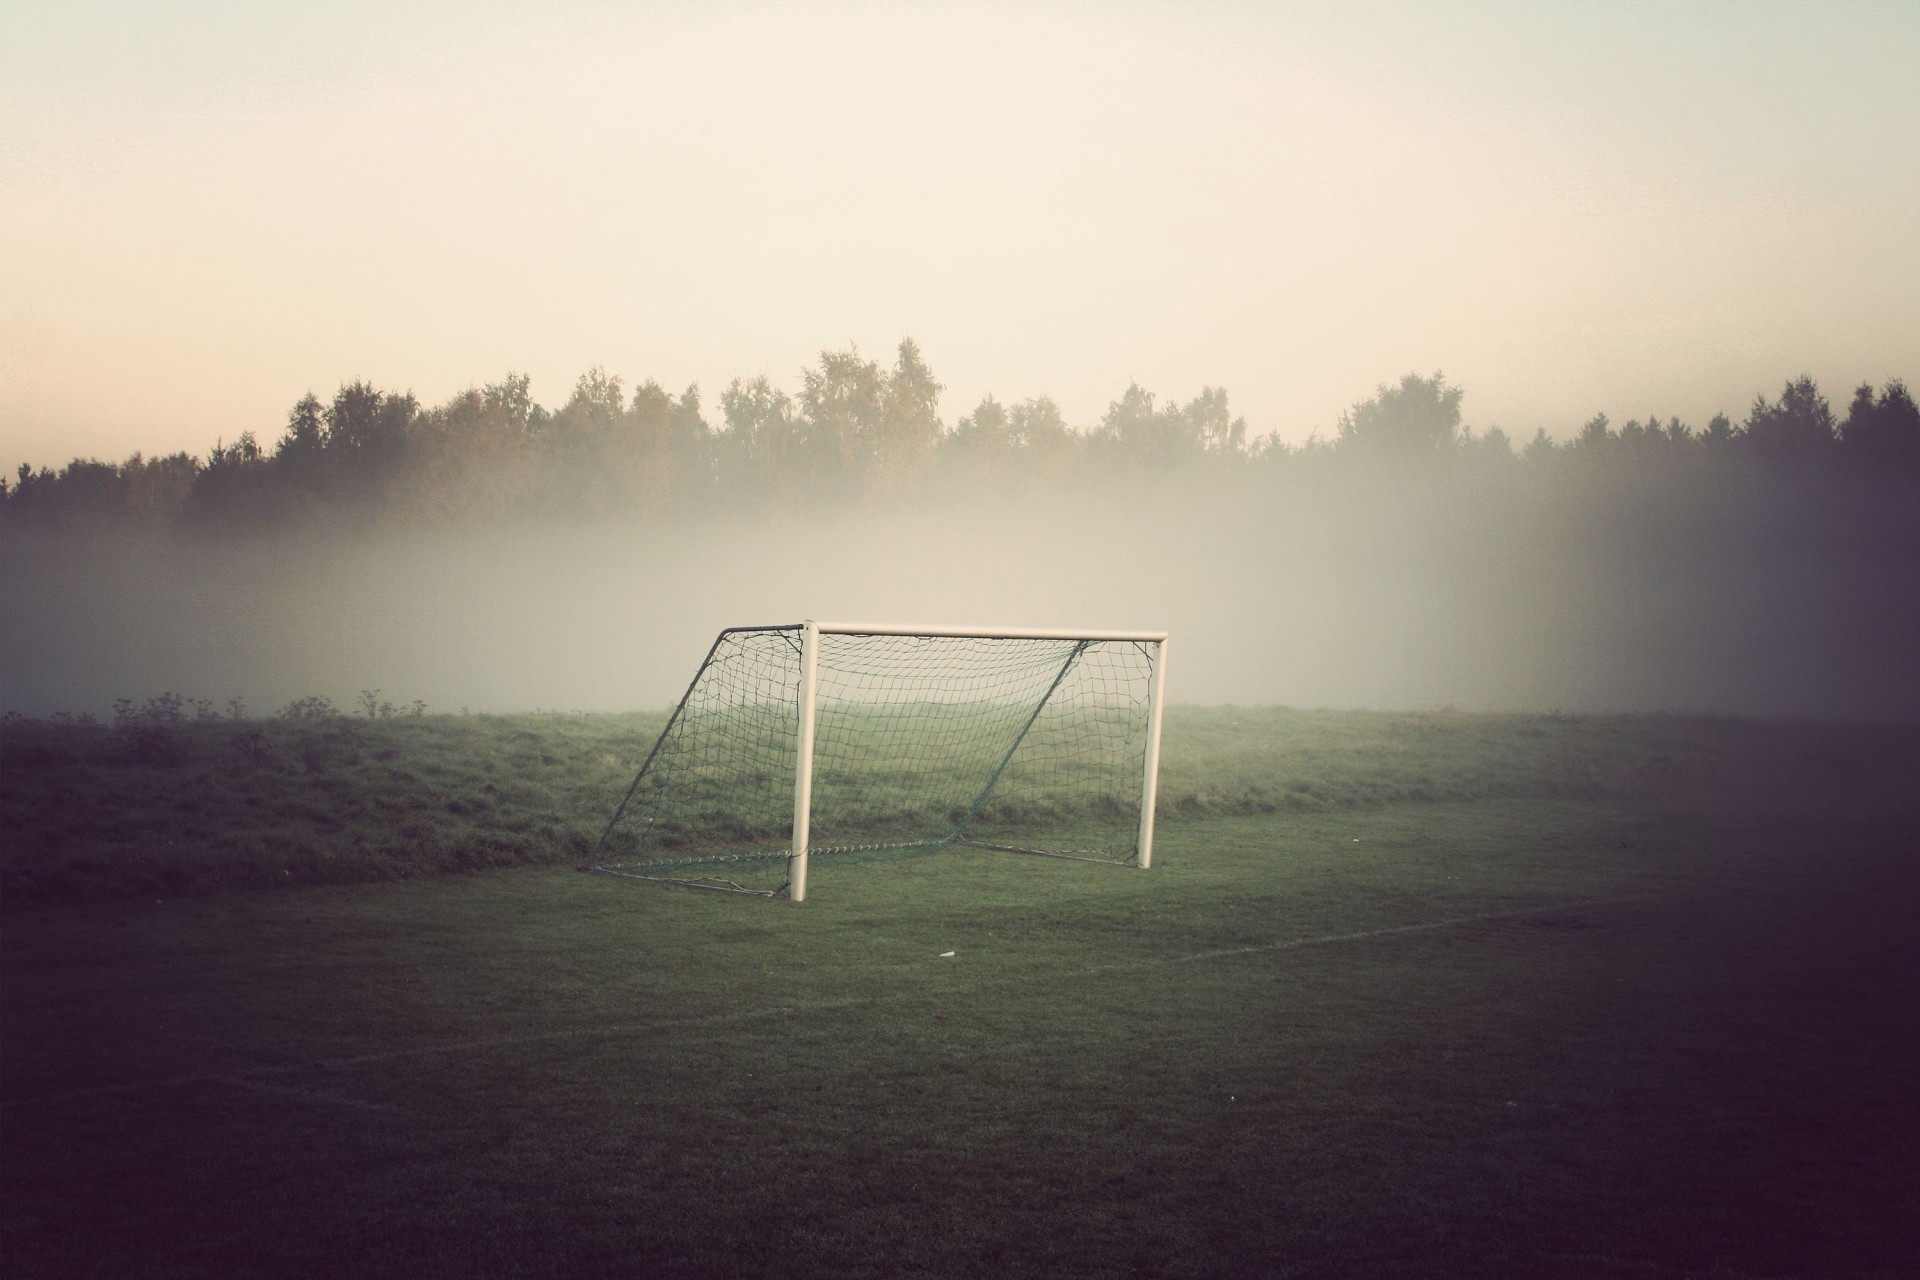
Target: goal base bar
x,y
1051,853
711,886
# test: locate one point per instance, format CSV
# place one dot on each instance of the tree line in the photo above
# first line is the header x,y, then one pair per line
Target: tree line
x,y
859,433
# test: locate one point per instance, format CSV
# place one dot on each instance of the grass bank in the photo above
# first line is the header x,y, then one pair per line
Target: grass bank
x,y
92,812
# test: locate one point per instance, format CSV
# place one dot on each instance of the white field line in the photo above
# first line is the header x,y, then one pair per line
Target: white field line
x,y
1367,934
241,1077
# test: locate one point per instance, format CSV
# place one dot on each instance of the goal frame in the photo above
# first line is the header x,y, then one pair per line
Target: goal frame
x,y
809,689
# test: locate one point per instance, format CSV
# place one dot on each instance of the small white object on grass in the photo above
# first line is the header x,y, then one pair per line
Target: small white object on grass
x,y
946,955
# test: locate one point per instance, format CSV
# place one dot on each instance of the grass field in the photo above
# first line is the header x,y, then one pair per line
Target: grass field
x,y
1404,996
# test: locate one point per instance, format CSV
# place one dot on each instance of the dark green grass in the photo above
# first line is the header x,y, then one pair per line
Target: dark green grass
x,y
93,813
85,813
1531,1036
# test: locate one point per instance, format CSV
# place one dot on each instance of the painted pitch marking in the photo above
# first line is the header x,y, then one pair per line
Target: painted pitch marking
x,y
253,1077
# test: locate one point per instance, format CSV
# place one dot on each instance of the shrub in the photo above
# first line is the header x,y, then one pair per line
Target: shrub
x,y
374,709
150,734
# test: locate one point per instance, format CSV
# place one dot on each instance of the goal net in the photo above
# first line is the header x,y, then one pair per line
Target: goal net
x,y
845,742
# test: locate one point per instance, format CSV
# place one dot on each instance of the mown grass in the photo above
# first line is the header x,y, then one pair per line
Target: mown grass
x,y
89,811
1537,1038
1654,1019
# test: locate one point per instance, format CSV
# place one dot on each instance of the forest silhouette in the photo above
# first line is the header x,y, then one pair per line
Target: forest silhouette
x,y
859,434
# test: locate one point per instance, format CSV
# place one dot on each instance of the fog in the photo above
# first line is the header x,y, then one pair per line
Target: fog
x,y
1352,590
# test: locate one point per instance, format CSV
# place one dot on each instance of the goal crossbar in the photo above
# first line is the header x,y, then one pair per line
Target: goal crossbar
x,y
952,632
984,633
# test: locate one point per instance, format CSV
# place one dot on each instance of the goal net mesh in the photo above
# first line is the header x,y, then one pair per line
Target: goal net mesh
x,y
920,742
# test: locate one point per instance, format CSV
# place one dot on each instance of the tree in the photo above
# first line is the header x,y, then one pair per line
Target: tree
x,y
1883,432
756,449
509,400
1653,443
1212,425
472,456
901,451
1798,429
1039,430
839,412
1131,427
1596,437
597,400
984,433
1419,418
304,439
572,445
85,491
1720,436
639,458
1137,436
1024,446
694,470
865,429
365,441
234,485
1493,447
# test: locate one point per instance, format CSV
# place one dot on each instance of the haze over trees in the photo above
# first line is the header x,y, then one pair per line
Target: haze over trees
x,y
495,553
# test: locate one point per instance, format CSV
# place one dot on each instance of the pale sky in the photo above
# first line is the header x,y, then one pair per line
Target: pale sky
x,y
208,209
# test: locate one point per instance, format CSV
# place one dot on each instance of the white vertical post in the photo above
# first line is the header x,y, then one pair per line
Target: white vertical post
x,y
1148,788
803,767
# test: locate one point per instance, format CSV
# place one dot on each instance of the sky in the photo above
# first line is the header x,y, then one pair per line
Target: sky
x,y
208,209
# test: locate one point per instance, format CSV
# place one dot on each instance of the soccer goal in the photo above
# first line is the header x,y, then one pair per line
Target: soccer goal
x,y
847,742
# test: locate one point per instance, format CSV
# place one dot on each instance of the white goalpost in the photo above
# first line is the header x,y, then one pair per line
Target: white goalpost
x,y
854,741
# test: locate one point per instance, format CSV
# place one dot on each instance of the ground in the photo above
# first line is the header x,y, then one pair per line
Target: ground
x,y
1667,1033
